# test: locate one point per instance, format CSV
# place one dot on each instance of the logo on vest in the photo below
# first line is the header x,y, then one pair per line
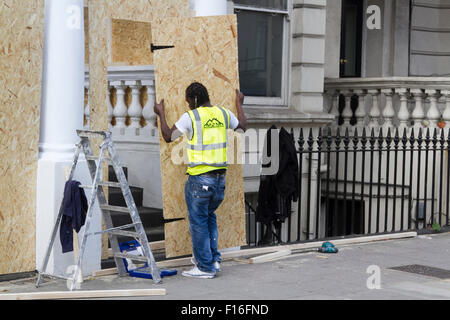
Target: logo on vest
x,y
213,123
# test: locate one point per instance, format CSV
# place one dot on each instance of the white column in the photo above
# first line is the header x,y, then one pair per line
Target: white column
x,y
209,7
61,115
63,78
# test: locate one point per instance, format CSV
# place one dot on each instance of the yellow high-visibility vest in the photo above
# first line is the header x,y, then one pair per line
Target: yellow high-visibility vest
x,y
207,150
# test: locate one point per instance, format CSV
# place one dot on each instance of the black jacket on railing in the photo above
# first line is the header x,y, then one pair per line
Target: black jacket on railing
x,y
277,191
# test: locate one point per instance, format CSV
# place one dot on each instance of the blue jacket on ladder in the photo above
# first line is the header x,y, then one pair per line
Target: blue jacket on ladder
x,y
74,208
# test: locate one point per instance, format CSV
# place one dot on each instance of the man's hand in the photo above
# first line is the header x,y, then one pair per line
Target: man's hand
x,y
159,108
239,97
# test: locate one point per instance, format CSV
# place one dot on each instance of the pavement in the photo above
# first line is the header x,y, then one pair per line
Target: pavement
x,y
356,272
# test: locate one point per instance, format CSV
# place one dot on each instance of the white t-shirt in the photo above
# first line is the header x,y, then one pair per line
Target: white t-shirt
x,y
184,124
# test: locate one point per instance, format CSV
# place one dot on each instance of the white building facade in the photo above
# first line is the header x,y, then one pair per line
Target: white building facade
x,y
302,63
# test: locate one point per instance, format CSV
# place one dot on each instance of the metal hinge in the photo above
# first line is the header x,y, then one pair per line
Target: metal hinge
x,y
153,47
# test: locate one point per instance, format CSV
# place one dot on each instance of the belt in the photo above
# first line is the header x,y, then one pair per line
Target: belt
x,y
214,173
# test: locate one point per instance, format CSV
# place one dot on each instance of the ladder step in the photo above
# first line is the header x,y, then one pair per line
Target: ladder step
x,y
112,230
90,134
114,208
110,184
85,187
94,158
123,233
130,256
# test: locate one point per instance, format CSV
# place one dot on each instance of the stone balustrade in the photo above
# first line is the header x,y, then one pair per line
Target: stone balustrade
x,y
131,92
397,101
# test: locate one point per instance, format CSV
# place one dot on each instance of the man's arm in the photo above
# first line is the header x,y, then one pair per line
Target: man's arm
x,y
167,133
240,113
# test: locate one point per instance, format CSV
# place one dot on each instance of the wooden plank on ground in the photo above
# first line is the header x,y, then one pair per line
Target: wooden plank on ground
x,y
83,294
270,256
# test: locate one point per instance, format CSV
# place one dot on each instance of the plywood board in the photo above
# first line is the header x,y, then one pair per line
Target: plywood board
x,y
205,51
100,13
139,13
130,43
21,40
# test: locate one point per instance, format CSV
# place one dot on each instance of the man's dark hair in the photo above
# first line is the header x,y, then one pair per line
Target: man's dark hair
x,y
198,93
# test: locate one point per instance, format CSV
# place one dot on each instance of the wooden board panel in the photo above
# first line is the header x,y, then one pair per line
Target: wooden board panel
x,y
100,13
205,51
130,43
21,40
138,13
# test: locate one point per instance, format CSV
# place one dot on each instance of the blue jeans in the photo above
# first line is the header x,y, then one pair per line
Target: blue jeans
x,y
204,194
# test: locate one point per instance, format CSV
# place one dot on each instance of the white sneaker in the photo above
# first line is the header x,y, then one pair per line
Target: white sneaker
x,y
216,264
197,273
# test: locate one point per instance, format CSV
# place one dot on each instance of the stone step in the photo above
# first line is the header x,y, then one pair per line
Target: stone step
x,y
150,217
115,196
112,175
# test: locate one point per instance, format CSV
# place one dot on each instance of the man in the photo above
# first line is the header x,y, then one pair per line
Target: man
x,y
206,128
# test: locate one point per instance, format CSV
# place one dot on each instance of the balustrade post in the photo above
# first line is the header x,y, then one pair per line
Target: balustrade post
x,y
135,108
120,109
388,111
148,112
446,113
418,114
374,112
347,113
360,112
403,114
433,111
109,106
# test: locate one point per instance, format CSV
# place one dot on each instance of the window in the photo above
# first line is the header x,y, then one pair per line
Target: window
x,y
263,52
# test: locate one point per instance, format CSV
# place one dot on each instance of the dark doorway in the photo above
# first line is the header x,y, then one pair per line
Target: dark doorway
x,y
345,219
351,38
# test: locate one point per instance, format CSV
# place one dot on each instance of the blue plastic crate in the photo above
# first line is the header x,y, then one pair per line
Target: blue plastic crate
x,y
133,245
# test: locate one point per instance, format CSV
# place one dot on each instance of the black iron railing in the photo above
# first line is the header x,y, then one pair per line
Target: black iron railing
x,y
363,182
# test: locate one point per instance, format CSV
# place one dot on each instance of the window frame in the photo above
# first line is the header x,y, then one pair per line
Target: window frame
x,y
286,58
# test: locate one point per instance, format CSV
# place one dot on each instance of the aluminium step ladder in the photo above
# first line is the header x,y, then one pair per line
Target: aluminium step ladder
x,y
98,193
